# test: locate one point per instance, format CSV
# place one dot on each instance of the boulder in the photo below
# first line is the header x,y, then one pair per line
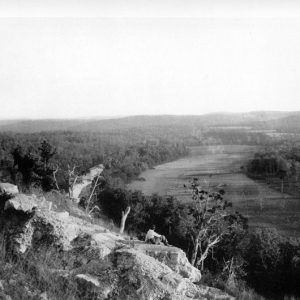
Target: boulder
x,y
26,203
173,257
144,277
8,188
147,278
32,224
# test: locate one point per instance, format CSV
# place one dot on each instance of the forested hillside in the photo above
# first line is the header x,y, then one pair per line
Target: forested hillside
x,y
126,146
124,154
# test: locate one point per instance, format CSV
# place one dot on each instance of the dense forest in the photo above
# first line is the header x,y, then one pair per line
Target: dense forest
x,y
125,151
124,155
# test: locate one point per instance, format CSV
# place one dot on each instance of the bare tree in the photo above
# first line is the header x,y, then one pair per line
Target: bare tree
x,y
88,208
124,218
72,179
54,177
206,225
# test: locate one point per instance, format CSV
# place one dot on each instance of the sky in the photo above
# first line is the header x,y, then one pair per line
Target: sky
x,y
69,59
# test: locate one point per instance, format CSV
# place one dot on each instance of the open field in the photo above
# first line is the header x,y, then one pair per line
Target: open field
x,y
219,167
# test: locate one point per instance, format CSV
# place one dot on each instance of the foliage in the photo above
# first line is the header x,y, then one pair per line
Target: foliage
x,y
124,154
35,166
273,263
280,168
268,163
191,226
236,136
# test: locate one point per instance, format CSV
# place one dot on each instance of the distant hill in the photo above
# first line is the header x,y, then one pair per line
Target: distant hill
x,y
30,126
263,119
287,124
37,125
164,120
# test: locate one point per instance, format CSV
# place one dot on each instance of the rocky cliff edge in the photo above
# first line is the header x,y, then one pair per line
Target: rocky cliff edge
x,y
102,263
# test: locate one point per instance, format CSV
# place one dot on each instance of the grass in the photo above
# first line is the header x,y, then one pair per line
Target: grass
x,y
41,270
51,272
214,165
28,276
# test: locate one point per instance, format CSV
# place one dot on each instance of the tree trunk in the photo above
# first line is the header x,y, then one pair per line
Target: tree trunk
x,y
91,195
123,220
203,256
195,251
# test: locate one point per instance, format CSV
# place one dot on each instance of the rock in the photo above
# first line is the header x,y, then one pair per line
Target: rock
x,y
85,181
35,225
1,285
173,257
22,202
27,203
8,188
144,277
147,278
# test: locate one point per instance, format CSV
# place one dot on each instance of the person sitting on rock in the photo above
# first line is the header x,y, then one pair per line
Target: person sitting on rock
x,y
153,237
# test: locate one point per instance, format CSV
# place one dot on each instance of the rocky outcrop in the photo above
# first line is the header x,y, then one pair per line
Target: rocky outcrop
x,y
147,278
85,181
137,276
27,203
173,257
8,188
102,264
43,227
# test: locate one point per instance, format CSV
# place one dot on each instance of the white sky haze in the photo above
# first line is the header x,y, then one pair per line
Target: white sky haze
x,y
86,58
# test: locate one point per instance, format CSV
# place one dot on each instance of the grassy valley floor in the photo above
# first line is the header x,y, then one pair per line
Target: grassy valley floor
x,y
220,167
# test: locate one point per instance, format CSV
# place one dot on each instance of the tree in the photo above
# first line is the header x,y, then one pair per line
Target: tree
x,y
34,166
123,219
27,164
47,151
90,203
206,222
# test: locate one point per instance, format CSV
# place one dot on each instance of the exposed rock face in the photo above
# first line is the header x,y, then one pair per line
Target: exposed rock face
x,y
173,257
46,227
150,279
85,181
26,203
101,263
8,188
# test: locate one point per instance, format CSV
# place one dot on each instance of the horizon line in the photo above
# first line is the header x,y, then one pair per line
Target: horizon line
x,y
103,117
